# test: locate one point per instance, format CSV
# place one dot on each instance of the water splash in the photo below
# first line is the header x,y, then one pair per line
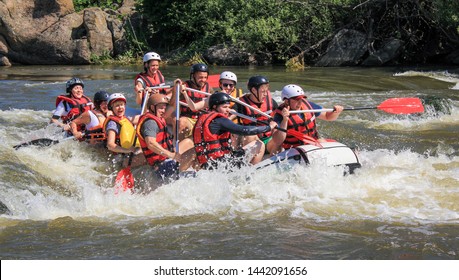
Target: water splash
x,y
443,76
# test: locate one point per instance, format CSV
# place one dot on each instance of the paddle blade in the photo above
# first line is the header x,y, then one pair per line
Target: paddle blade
x,y
408,105
214,81
305,138
124,180
42,142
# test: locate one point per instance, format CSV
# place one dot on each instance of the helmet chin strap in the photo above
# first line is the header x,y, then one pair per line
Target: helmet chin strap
x,y
257,97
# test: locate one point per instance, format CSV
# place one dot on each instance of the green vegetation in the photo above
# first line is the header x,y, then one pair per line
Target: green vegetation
x,y
110,4
299,28
295,32
272,26
124,59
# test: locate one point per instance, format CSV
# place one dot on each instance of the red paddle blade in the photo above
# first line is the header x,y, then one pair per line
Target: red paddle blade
x,y
124,180
214,80
408,105
305,138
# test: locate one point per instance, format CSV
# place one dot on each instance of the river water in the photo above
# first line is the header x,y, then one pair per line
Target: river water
x,y
403,203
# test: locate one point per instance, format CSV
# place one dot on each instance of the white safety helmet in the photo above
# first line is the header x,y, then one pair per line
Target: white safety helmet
x,y
115,97
290,91
151,55
227,75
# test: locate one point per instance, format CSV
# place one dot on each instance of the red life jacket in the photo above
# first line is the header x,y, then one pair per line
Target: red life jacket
x,y
210,146
196,97
305,125
266,106
149,81
162,137
75,107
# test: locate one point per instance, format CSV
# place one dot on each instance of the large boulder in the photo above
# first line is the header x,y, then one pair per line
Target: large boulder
x,y
224,54
50,32
346,49
227,54
98,34
389,51
453,58
4,61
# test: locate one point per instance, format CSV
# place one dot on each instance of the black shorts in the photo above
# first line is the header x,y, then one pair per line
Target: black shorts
x,y
167,171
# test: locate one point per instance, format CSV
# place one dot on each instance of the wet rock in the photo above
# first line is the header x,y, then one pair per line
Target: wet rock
x,y
389,51
59,34
346,49
224,54
4,209
98,34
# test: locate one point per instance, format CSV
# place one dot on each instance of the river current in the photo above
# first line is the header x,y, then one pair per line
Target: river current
x,y
58,202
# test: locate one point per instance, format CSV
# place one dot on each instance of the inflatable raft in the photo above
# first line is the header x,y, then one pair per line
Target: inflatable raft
x,y
331,152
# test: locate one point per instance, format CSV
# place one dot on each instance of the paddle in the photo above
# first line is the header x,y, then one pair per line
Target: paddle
x,y
42,142
177,118
214,81
125,180
409,105
300,136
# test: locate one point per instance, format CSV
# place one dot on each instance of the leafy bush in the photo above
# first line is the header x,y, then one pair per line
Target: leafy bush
x,y
81,4
288,29
256,25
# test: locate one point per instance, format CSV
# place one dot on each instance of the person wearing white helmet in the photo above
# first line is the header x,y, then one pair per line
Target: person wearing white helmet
x,y
227,83
295,99
151,77
70,106
120,131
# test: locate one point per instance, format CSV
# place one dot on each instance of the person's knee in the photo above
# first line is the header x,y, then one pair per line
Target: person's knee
x,y
273,148
184,124
185,145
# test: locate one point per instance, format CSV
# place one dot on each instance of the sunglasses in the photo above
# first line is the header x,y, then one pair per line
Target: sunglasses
x,y
228,85
298,97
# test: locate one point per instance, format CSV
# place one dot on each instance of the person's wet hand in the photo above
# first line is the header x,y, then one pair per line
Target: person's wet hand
x,y
177,157
78,135
286,112
272,124
338,109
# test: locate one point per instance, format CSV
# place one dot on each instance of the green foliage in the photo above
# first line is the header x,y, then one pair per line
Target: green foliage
x,y
447,13
285,28
96,59
81,4
255,25
127,58
135,38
